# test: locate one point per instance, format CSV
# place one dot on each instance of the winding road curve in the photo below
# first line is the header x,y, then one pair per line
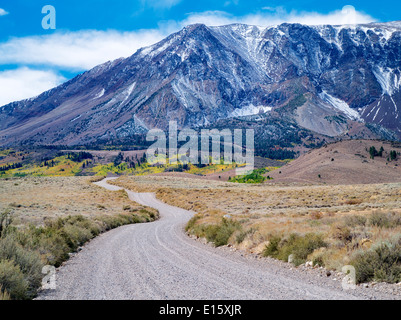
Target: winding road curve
x,y
159,261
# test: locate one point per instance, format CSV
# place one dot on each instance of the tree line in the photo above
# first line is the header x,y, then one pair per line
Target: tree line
x,y
10,166
374,153
79,156
131,162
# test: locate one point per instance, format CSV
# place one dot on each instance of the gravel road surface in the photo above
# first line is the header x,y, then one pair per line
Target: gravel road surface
x,y
159,261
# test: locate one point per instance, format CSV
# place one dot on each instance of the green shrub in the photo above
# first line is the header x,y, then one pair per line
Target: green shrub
x,y
5,221
28,261
243,234
317,257
298,246
218,234
353,221
342,233
191,223
13,281
381,263
272,249
385,220
24,252
4,295
85,223
138,219
53,248
255,177
152,215
75,236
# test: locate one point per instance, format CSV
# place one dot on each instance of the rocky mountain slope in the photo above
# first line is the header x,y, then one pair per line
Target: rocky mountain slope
x,y
323,79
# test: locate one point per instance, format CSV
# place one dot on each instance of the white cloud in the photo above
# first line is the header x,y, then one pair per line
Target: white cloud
x,y
25,83
72,51
3,12
75,50
274,16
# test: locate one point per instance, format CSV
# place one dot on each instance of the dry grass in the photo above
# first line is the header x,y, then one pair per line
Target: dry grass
x,y
347,162
36,199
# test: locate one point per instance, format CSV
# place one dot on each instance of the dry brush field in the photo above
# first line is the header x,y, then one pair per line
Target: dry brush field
x,y
45,219
36,199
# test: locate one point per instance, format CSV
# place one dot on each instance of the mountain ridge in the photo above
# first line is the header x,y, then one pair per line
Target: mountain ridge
x,y
344,75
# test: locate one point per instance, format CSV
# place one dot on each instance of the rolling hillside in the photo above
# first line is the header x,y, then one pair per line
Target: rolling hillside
x,y
346,162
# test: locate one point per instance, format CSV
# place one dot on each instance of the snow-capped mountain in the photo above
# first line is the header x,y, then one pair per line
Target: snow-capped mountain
x,y
322,78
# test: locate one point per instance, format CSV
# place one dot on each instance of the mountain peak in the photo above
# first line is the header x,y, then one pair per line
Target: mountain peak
x,y
321,78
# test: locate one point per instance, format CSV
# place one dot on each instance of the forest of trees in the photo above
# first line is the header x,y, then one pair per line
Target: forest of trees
x,y
10,166
131,162
374,153
48,163
79,156
393,155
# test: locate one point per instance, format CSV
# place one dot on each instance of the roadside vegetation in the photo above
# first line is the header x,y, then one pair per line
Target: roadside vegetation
x,y
218,233
29,242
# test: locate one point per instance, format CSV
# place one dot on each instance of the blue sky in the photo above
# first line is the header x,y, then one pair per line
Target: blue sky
x,y
90,32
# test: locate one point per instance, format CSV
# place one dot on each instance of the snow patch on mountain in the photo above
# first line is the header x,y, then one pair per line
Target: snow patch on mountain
x,y
332,34
127,93
153,50
76,118
249,110
340,105
389,79
181,93
100,94
139,123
